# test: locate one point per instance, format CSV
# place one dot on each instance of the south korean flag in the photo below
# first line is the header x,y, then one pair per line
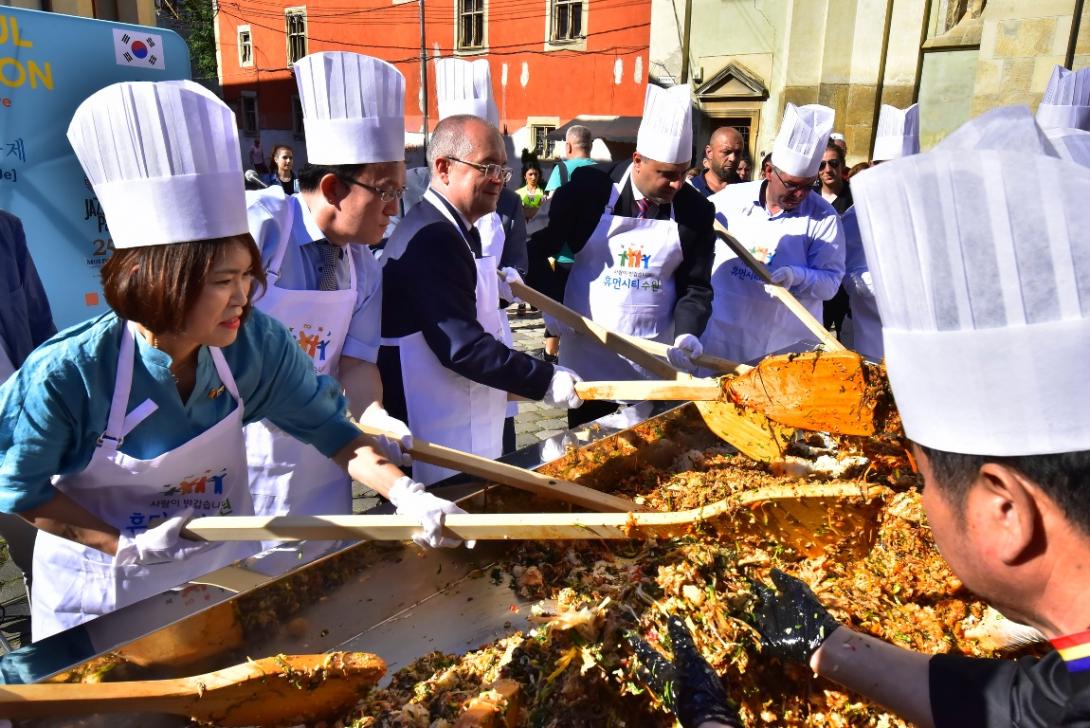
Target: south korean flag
x,y
133,48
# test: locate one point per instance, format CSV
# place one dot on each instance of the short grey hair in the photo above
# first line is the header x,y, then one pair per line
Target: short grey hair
x,y
579,136
449,138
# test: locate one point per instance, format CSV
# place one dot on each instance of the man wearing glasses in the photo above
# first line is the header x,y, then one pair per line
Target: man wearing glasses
x,y
323,282
444,366
790,228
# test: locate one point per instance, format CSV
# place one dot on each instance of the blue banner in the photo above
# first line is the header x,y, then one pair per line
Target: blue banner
x,y
50,63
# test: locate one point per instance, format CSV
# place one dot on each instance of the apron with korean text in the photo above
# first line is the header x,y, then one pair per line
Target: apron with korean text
x,y
623,279
747,322
75,583
286,474
445,407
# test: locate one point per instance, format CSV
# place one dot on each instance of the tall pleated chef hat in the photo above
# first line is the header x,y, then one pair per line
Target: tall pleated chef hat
x,y
898,133
465,87
802,139
1066,102
979,255
353,108
163,159
666,130
1071,144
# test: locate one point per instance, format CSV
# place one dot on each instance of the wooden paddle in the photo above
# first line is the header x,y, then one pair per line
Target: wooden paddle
x,y
824,391
530,526
793,304
750,432
520,478
275,691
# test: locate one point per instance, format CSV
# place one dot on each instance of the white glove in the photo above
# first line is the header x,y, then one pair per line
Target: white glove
x,y
395,446
159,545
509,276
788,276
686,348
561,391
410,499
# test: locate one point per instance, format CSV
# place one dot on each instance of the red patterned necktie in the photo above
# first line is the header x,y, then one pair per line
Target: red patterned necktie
x,y
641,208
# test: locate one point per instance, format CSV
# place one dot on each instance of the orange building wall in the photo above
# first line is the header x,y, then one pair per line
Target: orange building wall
x,y
562,83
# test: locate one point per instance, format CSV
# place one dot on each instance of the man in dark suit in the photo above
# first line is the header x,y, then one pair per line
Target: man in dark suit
x,y
444,368
643,244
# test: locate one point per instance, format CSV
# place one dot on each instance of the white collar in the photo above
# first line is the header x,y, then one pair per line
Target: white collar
x,y
310,225
465,222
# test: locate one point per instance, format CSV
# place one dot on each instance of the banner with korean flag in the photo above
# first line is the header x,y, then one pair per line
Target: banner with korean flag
x,y
133,48
50,63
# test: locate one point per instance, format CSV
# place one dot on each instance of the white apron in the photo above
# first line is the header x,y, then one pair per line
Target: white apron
x,y
445,407
493,238
623,279
866,326
287,475
747,323
75,583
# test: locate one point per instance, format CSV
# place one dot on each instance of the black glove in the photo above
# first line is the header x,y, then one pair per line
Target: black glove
x,y
688,685
791,620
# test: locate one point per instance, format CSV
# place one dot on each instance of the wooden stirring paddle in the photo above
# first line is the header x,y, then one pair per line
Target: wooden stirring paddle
x,y
276,691
824,391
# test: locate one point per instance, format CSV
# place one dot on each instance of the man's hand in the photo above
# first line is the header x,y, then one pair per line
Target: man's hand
x,y
791,620
159,545
395,445
507,277
788,276
686,348
561,391
688,685
411,499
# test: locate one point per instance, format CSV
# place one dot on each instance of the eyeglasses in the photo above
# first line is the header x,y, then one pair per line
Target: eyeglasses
x,y
790,187
833,163
492,171
387,195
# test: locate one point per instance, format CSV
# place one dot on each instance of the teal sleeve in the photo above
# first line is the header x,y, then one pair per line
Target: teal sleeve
x,y
554,179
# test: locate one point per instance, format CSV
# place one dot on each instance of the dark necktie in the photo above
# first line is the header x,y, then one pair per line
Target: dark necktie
x,y
641,208
475,242
331,255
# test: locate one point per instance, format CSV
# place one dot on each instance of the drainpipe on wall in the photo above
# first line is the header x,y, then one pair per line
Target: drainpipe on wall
x,y
424,75
919,56
685,41
881,75
1076,21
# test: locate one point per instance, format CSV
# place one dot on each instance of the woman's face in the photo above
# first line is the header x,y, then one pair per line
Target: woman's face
x,y
284,159
215,319
531,177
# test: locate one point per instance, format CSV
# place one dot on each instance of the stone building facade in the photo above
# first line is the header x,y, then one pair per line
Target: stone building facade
x,y
747,58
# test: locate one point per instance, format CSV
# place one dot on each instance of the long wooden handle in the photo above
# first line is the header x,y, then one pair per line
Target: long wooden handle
x,y
527,480
715,363
786,298
630,347
505,526
680,390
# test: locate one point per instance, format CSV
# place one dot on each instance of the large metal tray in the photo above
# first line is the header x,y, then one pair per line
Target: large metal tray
x,y
395,600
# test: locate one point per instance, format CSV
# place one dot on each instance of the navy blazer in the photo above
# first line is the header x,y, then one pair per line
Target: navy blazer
x,y
429,284
577,207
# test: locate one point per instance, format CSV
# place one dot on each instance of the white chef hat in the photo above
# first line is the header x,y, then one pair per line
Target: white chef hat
x,y
1066,101
465,87
163,159
898,133
1071,144
802,140
666,130
979,258
353,108
1003,128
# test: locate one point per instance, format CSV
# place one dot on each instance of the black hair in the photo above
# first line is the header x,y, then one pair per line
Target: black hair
x,y
1064,477
312,174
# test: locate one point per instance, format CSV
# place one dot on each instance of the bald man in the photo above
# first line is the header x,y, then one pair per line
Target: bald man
x,y
724,151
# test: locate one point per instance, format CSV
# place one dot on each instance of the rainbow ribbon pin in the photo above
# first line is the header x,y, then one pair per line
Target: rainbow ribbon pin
x,y
1075,650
